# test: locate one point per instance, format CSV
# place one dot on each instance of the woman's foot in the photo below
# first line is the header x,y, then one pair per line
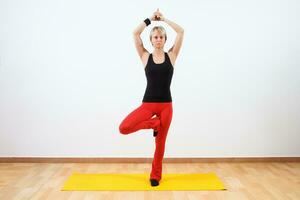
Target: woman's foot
x,y
155,132
157,126
154,182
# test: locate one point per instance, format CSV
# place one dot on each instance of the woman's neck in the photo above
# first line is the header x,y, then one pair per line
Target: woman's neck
x,y
158,52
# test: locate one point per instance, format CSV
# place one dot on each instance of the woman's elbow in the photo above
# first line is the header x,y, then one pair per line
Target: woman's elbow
x,y
136,33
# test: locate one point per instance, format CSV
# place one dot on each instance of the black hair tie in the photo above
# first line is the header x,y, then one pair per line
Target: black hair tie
x,y
147,21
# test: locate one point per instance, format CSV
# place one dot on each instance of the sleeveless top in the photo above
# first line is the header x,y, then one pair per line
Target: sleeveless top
x,y
159,77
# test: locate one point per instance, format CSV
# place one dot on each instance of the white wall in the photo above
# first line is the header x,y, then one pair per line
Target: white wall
x,y
69,73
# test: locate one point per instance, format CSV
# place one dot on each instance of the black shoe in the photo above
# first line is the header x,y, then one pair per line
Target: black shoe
x,y
154,182
155,133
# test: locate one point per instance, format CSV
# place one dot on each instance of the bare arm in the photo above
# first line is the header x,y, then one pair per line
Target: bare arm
x,y
179,37
137,39
143,53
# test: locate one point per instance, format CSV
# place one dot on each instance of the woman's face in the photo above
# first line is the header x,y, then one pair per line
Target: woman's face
x,y
158,39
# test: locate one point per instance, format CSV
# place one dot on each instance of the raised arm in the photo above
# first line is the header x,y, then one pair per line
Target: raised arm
x,y
143,53
138,41
179,30
179,37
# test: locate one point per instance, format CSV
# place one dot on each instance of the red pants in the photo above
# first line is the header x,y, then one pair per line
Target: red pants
x,y
141,118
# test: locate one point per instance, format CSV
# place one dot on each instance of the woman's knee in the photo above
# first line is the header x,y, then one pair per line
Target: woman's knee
x,y
123,128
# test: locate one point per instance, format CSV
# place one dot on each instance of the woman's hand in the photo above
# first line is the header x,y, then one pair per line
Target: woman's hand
x,y
157,16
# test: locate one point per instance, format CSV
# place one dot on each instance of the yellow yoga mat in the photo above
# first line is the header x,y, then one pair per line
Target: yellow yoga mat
x,y
133,182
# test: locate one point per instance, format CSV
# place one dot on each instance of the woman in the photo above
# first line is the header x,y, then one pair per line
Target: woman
x,y
158,66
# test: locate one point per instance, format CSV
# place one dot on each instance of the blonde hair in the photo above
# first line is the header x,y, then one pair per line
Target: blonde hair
x,y
160,29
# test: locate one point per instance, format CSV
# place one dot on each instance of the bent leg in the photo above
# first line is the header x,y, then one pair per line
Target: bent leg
x,y
140,118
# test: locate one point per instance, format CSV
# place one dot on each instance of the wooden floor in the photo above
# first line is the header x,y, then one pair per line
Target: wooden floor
x,y
270,180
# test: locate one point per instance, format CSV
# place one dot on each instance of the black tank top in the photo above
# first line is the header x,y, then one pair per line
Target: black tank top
x,y
159,77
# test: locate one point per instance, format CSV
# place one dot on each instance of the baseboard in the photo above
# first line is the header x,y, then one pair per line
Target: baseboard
x,y
143,160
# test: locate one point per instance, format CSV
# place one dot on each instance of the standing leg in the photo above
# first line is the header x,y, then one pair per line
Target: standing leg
x,y
160,140
140,118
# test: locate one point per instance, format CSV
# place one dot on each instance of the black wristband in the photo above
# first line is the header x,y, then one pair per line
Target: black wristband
x,y
147,21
